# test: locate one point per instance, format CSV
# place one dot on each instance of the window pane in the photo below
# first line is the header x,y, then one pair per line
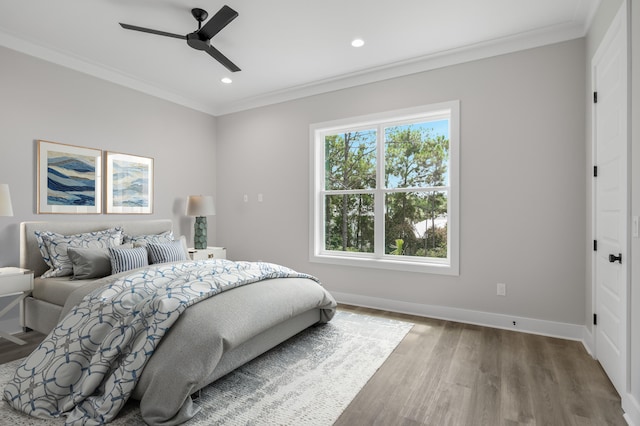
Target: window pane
x,y
416,224
349,223
350,160
417,155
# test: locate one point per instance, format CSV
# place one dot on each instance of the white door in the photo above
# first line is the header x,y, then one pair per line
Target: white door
x,y
609,67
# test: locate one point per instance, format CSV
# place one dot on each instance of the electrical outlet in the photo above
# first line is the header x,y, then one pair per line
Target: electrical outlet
x,y
501,289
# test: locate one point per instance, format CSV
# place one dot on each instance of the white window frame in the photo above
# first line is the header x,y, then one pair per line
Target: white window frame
x,y
317,251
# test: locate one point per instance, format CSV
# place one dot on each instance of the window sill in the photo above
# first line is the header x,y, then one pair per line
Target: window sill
x,y
386,263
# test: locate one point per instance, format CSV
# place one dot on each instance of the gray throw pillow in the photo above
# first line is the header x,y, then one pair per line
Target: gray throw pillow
x,y
91,262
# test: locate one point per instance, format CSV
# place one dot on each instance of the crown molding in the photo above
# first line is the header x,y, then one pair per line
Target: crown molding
x,y
97,70
471,52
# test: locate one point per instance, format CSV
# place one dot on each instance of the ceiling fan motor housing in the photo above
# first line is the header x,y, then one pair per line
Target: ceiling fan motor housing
x,y
194,40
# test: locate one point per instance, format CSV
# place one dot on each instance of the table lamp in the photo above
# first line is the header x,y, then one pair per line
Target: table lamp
x,y
200,206
5,200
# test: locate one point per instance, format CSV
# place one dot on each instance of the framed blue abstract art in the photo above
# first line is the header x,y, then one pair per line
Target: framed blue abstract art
x,y
129,184
69,178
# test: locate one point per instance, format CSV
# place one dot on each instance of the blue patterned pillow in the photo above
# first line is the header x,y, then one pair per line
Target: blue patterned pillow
x,y
43,249
127,259
56,247
140,240
166,252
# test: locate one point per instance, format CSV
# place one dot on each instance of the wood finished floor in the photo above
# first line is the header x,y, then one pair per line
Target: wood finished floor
x,y
448,373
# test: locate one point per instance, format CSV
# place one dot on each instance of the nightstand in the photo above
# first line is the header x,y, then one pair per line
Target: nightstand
x,y
14,281
208,253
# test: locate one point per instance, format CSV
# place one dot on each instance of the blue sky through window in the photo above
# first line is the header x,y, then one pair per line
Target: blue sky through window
x,y
434,129
439,127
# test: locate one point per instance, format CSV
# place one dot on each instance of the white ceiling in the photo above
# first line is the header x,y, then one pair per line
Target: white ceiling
x,y
285,48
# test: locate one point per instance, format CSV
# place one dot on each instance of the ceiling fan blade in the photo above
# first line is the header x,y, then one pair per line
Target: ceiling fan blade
x,y
150,31
215,53
220,20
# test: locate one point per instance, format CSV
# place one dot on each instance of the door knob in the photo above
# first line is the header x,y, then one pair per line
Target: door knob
x,y
613,258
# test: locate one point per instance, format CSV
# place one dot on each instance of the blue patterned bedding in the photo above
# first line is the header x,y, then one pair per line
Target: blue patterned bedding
x,y
88,366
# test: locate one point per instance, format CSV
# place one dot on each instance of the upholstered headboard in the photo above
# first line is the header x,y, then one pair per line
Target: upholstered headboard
x,y
30,257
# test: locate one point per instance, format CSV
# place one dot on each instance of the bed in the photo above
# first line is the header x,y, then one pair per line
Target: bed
x,y
208,340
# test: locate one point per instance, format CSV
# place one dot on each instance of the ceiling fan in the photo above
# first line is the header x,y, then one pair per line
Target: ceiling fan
x,y
201,38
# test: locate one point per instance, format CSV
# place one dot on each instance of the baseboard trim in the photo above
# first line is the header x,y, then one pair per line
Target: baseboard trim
x,y
631,408
587,341
526,325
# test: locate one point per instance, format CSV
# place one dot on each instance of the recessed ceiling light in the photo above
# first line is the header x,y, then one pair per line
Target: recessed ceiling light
x,y
226,80
357,42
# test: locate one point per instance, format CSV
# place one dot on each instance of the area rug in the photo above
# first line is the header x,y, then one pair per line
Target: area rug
x,y
308,380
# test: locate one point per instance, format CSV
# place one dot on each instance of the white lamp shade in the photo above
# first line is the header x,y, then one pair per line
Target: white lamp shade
x,y
5,200
200,205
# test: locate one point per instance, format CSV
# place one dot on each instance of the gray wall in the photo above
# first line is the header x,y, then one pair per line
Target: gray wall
x,y
522,183
40,100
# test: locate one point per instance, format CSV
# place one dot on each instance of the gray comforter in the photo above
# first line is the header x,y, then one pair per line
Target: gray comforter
x,y
210,337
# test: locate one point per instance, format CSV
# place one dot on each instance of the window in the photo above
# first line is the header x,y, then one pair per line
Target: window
x,y
385,190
